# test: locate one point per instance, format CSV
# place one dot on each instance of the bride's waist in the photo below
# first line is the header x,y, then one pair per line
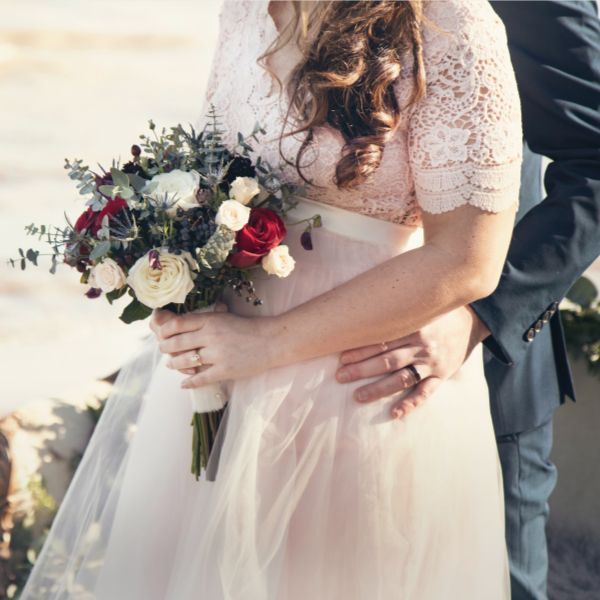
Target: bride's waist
x,y
357,226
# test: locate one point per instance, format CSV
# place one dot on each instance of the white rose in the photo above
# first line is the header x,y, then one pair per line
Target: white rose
x,y
180,186
232,214
279,262
243,189
107,276
158,287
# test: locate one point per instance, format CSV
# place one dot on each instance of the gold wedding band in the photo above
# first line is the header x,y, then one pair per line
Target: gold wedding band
x,y
196,357
414,373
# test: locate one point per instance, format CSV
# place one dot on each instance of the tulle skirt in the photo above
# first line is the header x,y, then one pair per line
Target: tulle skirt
x,y
316,497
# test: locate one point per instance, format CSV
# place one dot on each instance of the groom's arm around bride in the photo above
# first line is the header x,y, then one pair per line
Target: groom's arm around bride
x,y
555,49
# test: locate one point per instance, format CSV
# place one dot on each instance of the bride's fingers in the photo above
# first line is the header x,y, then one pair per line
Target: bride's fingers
x,y
159,318
358,354
185,361
204,377
184,342
416,397
183,324
187,371
391,384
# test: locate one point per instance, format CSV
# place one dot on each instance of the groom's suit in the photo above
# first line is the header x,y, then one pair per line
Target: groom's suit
x,y
555,49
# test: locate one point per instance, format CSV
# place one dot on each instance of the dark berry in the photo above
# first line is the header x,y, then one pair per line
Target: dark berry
x,y
136,150
240,167
81,267
130,259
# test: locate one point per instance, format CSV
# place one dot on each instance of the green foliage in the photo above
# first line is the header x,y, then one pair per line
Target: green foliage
x,y
582,326
99,250
86,182
135,311
583,292
116,294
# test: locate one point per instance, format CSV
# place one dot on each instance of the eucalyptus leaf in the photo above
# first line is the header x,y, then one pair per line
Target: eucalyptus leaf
x,y
125,193
99,250
54,263
149,188
583,292
136,181
135,311
107,190
32,256
119,178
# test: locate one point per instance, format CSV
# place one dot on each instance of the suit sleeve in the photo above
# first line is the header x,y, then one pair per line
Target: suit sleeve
x,y
555,50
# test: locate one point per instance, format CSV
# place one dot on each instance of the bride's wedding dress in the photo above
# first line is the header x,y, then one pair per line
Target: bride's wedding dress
x,y
316,497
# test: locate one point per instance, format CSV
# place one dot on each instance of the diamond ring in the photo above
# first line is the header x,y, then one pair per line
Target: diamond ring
x,y
196,357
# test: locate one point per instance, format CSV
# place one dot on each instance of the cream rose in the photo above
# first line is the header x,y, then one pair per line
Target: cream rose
x,y
243,189
279,262
158,287
180,186
232,214
107,276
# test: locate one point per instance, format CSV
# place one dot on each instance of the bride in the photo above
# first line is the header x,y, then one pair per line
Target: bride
x,y
405,117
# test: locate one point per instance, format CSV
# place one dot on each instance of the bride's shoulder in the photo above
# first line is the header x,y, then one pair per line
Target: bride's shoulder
x,y
463,26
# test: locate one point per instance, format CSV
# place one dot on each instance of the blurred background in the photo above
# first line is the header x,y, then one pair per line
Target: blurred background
x,y
80,79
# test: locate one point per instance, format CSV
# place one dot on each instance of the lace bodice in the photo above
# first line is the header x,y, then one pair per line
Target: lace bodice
x,y
460,144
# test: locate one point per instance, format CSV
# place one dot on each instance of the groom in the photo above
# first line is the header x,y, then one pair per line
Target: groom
x,y
555,49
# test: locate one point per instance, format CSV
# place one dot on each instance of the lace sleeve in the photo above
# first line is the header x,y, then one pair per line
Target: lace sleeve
x,y
465,138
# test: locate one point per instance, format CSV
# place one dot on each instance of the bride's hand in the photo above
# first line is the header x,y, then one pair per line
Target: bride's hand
x,y
231,346
160,317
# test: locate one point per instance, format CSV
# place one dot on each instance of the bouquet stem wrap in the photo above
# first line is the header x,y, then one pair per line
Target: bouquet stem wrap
x,y
208,404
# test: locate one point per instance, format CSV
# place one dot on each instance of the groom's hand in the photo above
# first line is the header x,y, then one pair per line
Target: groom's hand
x,y
437,352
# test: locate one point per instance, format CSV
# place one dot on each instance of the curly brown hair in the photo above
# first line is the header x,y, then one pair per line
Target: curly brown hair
x,y
352,54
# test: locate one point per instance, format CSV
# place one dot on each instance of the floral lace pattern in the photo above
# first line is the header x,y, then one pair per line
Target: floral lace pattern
x,y
460,144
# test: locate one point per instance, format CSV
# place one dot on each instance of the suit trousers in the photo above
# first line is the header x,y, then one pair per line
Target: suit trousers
x,y
529,478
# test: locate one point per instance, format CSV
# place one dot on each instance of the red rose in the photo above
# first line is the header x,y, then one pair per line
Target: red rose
x,y
86,221
112,208
263,232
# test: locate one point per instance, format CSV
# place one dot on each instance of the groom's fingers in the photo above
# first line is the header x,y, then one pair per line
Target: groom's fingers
x,y
382,364
416,397
388,386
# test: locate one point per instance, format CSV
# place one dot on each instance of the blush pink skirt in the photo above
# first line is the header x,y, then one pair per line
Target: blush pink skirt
x,y
316,497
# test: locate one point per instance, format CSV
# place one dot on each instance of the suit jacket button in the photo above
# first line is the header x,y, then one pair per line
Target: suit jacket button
x,y
530,335
554,307
538,326
547,316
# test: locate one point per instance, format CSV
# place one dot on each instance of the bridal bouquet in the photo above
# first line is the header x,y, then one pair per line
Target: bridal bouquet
x,y
172,228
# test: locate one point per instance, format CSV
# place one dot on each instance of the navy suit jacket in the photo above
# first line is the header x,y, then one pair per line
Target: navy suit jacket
x,y
555,49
